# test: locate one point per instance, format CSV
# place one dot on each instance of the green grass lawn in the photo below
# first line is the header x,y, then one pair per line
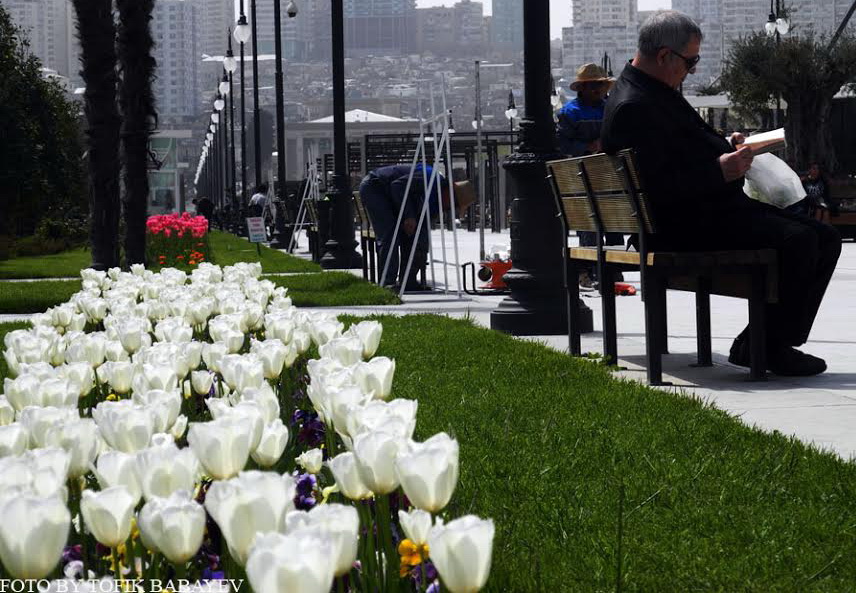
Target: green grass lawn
x,y
334,289
226,249
35,297
60,265
548,443
327,289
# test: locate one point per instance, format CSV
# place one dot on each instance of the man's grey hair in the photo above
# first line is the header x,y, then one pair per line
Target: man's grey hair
x,y
667,28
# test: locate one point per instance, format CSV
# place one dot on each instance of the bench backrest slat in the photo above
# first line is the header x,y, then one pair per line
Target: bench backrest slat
x,y
616,205
362,213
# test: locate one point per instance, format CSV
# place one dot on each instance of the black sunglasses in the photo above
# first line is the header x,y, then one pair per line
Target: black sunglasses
x,y
690,63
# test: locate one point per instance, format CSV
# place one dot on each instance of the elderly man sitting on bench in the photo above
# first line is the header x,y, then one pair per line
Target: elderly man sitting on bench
x,y
694,180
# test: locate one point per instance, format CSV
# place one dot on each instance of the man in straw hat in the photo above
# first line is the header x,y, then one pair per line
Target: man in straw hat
x,y
578,133
694,180
383,194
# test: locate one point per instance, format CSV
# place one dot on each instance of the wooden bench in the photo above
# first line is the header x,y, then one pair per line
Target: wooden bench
x,y
602,193
368,239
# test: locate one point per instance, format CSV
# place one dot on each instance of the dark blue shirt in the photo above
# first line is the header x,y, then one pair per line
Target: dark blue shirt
x,y
395,178
579,125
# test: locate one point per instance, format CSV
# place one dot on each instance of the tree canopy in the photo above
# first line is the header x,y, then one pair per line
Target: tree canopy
x,y
40,168
806,73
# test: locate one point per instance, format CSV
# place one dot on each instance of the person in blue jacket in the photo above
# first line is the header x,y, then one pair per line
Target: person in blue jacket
x,y
578,134
382,192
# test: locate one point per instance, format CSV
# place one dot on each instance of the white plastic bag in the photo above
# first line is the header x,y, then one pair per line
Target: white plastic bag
x,y
772,181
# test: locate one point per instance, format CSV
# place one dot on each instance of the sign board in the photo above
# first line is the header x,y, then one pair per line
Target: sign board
x,y
256,229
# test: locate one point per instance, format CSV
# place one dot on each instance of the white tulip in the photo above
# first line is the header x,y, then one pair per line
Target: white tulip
x,y
396,417
165,469
7,412
179,427
369,333
222,445
202,381
193,352
60,393
125,426
267,400
33,533
164,405
115,352
277,489
108,514
375,454
20,392
13,439
301,340
375,376
158,377
311,460
272,444
428,472
461,551
119,375
279,328
301,562
41,420
340,401
416,525
242,511
344,468
81,375
115,468
79,437
347,350
325,330
341,523
272,354
49,467
173,526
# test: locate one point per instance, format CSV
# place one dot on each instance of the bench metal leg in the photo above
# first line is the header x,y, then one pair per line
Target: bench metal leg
x,y
653,322
703,339
758,328
662,317
364,248
573,290
607,293
372,249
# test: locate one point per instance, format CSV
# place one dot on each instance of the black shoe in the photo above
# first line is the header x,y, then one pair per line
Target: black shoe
x,y
739,353
790,362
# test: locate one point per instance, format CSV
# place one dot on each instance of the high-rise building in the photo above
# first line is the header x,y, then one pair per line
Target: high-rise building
x,y
215,19
708,15
435,30
48,25
379,26
507,25
469,25
600,27
175,28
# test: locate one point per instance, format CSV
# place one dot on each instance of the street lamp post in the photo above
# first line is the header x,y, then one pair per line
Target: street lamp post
x,y
340,249
279,239
242,34
257,124
511,111
777,25
228,170
230,65
538,304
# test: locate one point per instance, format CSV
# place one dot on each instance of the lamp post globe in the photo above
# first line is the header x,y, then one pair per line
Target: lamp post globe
x,y
291,9
230,64
770,25
215,118
219,103
223,87
210,136
242,30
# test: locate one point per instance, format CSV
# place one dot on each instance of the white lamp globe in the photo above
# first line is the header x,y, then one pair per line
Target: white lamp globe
x,y
230,64
209,135
219,103
215,118
242,30
782,26
224,87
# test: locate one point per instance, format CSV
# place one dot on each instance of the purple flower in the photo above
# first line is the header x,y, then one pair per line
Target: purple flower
x,y
311,432
212,575
304,498
429,571
72,553
304,503
434,587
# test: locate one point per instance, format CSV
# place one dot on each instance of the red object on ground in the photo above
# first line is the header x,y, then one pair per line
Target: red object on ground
x,y
624,289
497,271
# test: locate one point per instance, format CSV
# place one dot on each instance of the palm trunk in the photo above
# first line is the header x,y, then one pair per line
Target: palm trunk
x,y
139,118
808,132
97,32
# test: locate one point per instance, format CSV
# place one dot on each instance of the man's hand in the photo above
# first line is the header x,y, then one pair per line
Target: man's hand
x,y
736,139
735,164
409,226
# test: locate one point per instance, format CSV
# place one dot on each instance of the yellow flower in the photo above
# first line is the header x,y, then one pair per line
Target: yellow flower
x,y
112,397
411,555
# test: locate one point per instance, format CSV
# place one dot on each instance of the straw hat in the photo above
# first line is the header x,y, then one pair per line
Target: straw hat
x,y
590,73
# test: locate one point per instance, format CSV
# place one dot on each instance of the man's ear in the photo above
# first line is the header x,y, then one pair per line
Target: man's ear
x,y
662,55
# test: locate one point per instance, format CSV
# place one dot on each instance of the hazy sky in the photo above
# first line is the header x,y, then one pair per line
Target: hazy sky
x,y
560,10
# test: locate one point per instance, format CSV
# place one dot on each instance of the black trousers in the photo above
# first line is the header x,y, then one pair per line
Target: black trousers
x,y
807,250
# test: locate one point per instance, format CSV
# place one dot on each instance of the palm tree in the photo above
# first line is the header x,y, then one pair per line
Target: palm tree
x,y
97,34
137,104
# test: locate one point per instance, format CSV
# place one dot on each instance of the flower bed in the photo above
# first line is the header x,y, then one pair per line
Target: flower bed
x,y
177,240
198,427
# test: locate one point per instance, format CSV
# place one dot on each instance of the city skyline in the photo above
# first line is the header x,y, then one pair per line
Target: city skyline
x,y
560,10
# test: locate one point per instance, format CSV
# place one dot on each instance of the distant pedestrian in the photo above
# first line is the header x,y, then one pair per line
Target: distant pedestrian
x,y
205,207
578,133
258,200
